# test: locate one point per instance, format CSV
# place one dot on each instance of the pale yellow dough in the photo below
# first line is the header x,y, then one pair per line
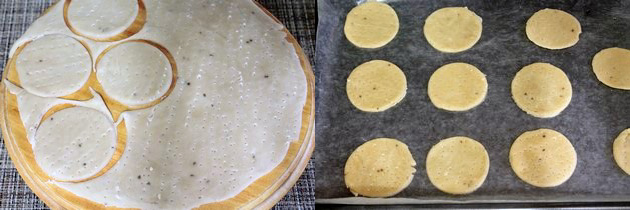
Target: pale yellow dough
x,y
379,168
376,86
553,29
453,29
457,87
543,158
612,67
621,150
542,90
458,165
371,25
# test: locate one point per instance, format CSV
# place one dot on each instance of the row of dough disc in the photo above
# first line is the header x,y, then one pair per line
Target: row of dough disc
x,y
384,167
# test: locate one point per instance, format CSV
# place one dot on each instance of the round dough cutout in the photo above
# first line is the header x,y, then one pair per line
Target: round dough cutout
x,y
379,168
74,143
371,25
542,90
376,86
457,87
553,29
458,165
453,29
134,73
621,150
53,65
102,19
612,67
543,158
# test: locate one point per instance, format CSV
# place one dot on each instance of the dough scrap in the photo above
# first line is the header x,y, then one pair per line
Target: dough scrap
x,y
53,65
458,165
371,25
376,86
612,67
543,158
379,168
553,29
453,29
542,90
457,87
621,150
74,143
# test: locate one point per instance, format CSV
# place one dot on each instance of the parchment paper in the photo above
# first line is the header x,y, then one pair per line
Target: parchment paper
x,y
596,115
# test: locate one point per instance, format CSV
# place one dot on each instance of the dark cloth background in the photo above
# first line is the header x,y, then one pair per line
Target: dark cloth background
x,y
299,16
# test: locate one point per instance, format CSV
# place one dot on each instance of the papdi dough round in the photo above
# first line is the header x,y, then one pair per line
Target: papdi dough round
x,y
612,67
53,66
74,143
379,168
553,29
102,18
453,29
458,165
543,158
542,90
621,150
457,87
134,73
376,86
371,25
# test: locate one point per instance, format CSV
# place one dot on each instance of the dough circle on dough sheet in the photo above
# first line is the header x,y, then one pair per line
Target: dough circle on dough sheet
x,y
457,165
376,86
457,87
379,168
543,158
621,150
102,18
453,29
134,73
553,29
612,67
74,143
53,65
542,90
371,25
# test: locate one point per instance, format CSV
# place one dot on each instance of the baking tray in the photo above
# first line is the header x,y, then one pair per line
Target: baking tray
x,y
596,115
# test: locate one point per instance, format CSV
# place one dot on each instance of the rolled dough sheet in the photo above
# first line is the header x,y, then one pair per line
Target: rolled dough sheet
x,y
371,25
612,67
542,90
457,87
553,29
134,73
102,18
458,165
543,158
376,86
74,143
453,29
53,65
379,168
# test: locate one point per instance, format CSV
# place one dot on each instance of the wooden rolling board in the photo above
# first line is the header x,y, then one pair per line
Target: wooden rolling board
x,y
262,193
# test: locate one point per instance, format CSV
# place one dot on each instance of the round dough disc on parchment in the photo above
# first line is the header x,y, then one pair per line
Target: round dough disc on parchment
x,y
371,25
102,18
543,158
458,165
74,143
457,87
621,150
376,86
379,168
453,29
553,29
612,67
542,90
